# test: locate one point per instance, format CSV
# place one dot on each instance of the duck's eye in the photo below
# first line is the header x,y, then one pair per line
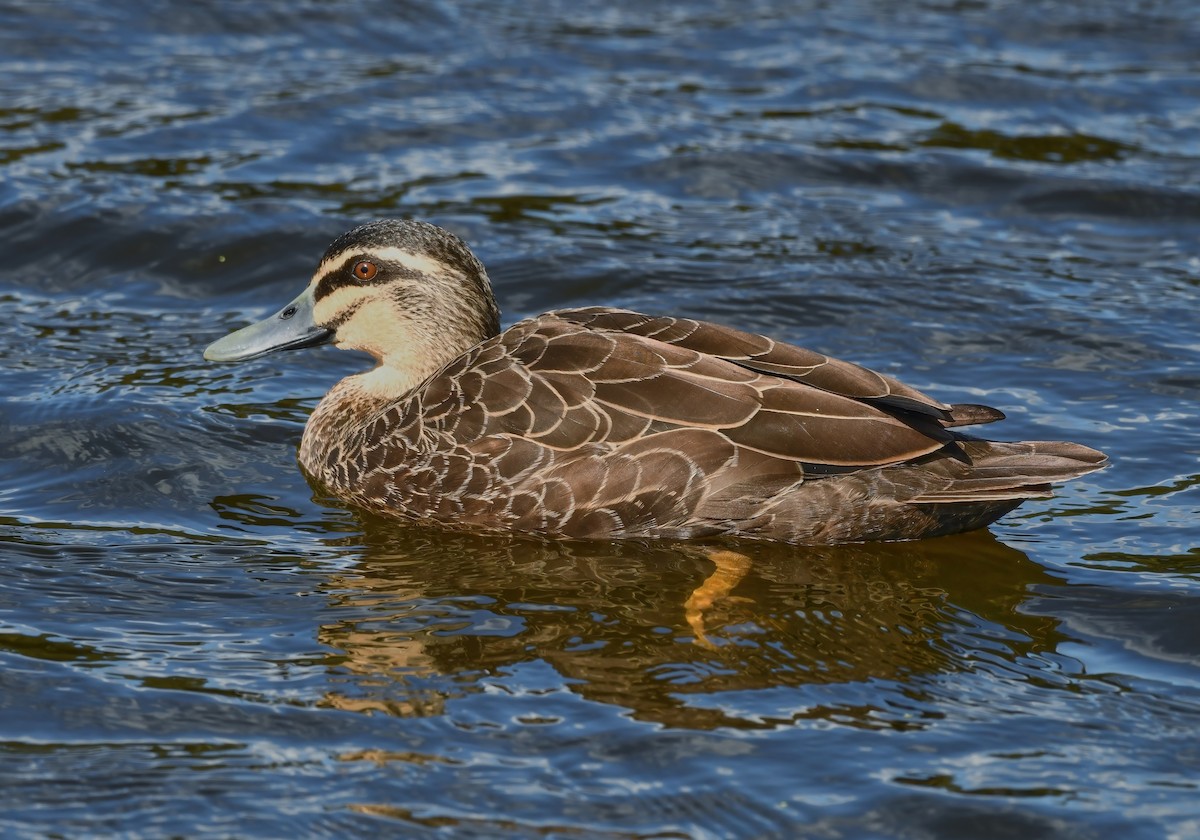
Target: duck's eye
x,y
365,270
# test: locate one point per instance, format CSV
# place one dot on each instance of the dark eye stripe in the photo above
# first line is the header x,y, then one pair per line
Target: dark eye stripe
x,y
344,275
334,280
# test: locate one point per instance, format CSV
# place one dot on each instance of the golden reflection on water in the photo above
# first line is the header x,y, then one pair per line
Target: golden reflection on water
x,y
618,621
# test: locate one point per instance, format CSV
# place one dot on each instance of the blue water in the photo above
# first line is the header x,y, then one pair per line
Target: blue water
x,y
997,202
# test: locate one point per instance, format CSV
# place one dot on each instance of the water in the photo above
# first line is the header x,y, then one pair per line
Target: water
x,y
995,201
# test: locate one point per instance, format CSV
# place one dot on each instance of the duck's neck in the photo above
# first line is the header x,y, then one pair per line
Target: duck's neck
x,y
342,433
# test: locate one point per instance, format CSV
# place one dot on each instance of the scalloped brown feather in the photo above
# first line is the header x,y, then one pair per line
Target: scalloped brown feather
x,y
604,423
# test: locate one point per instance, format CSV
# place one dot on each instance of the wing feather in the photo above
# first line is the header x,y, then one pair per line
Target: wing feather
x,y
762,354
611,377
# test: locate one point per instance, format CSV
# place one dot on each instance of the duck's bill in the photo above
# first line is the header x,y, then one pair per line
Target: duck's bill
x,y
288,329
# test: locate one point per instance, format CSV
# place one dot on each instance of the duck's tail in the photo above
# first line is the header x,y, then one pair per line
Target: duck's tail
x,y
994,471
966,485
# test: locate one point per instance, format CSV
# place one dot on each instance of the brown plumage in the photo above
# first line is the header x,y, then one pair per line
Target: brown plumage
x,y
605,423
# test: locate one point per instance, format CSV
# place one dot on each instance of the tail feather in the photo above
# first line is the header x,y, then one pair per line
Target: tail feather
x,y
966,485
997,471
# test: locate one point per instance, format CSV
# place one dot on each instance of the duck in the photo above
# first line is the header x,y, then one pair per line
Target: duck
x,y
605,423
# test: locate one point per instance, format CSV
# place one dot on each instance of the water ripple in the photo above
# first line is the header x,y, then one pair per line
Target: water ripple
x,y
994,202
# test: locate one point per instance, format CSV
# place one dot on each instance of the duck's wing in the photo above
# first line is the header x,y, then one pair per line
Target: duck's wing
x,y
765,355
599,379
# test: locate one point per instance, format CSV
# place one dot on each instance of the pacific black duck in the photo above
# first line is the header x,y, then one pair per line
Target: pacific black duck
x,y
605,423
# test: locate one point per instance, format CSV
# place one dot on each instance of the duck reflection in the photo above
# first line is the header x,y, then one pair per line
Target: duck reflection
x,y
667,630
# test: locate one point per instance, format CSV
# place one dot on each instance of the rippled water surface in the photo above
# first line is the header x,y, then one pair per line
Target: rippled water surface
x,y
998,202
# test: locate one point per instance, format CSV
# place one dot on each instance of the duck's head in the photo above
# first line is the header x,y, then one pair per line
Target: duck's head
x,y
407,292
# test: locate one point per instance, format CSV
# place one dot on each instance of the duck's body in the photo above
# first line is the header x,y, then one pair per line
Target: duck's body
x,y
604,423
